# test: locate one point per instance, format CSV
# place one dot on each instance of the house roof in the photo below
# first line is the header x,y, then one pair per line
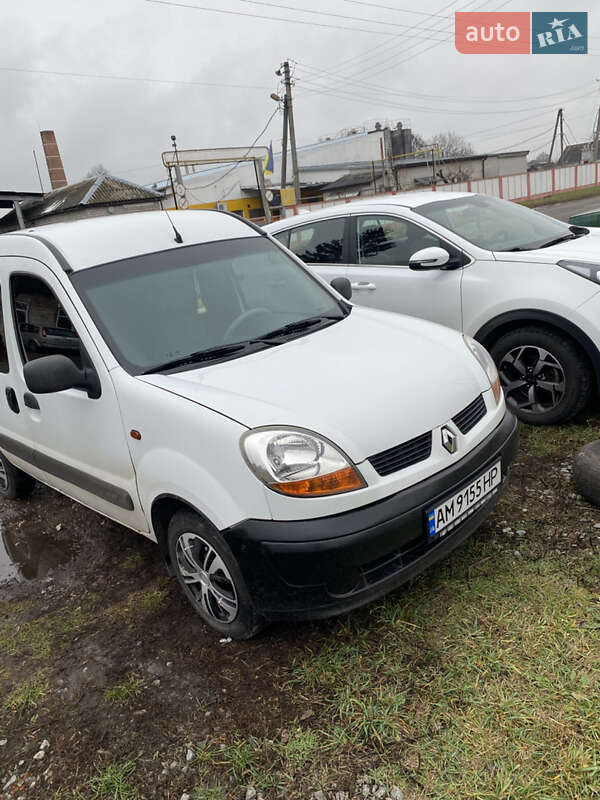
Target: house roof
x,y
99,190
352,179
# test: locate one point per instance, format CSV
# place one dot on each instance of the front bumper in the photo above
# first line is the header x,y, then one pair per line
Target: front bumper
x,y
315,568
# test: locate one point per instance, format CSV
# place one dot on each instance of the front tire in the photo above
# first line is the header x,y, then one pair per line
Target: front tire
x,y
210,577
545,376
14,483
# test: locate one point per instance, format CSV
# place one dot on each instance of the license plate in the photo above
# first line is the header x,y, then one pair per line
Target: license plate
x,y
454,509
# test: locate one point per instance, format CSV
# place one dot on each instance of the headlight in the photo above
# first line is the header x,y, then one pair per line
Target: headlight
x,y
487,362
583,268
298,462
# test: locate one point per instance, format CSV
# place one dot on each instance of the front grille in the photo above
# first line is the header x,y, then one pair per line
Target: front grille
x,y
470,416
403,455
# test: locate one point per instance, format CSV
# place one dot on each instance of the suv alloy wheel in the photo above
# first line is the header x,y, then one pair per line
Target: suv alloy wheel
x,y
545,377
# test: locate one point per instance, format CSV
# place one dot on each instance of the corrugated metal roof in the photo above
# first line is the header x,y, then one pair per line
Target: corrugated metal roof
x,y
99,190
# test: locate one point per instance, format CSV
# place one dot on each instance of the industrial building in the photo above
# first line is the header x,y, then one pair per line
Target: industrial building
x,y
357,162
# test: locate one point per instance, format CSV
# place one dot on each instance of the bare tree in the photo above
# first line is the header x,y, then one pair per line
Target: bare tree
x,y
542,157
96,170
452,144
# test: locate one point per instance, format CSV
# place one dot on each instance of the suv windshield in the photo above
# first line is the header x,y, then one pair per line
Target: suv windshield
x,y
204,302
497,224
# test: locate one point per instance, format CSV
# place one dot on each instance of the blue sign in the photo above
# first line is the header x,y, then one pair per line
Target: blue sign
x,y
566,32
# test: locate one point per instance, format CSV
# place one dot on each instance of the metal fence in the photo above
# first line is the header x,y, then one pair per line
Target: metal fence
x,y
521,186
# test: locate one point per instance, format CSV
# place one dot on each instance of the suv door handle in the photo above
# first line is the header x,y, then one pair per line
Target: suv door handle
x,y
11,399
363,286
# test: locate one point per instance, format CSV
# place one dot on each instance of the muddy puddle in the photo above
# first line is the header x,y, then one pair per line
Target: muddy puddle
x,y
27,553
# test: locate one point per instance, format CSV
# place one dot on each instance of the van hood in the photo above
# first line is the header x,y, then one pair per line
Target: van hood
x,y
585,248
369,382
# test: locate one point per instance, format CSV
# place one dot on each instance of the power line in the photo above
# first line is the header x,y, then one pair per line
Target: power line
x,y
346,94
98,76
421,95
393,8
407,55
341,16
375,51
269,17
230,170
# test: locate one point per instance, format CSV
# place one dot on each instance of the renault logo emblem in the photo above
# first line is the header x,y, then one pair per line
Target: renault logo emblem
x,y
449,439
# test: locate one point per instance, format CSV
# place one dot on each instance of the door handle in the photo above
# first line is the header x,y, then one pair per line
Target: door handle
x,y
11,399
30,401
364,286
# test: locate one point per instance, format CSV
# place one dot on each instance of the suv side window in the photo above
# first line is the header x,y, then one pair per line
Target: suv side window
x,y
283,238
3,352
319,243
391,241
43,325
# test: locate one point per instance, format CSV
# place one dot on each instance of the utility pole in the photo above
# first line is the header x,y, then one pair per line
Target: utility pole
x,y
596,142
562,135
284,148
290,119
556,124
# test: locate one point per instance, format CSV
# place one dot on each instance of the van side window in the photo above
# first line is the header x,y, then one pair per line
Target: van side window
x,y
3,353
319,243
43,325
391,241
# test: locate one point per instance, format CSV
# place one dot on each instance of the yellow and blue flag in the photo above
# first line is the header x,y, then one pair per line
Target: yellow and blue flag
x,y
268,162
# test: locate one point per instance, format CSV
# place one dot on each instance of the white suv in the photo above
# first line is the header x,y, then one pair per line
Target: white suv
x,y
521,283
292,455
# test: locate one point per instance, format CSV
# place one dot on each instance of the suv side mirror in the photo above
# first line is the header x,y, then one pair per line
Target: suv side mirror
x,y
57,373
343,287
429,258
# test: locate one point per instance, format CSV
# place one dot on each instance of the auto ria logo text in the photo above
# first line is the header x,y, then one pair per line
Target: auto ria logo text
x,y
521,32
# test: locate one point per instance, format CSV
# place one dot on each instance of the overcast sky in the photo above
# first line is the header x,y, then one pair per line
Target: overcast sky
x,y
343,78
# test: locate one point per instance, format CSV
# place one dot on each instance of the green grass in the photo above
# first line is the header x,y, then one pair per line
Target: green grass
x,y
484,688
268,764
214,792
113,783
132,563
27,695
126,691
559,440
561,197
41,637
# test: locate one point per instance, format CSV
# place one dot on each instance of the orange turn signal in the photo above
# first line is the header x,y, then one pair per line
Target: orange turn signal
x,y
344,480
497,390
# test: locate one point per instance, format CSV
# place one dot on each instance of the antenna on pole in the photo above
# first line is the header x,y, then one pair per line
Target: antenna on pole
x,y
37,167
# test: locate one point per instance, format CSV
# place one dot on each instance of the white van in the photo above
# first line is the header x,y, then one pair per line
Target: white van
x,y
293,456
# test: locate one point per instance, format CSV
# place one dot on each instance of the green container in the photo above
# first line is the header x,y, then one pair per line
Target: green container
x,y
589,218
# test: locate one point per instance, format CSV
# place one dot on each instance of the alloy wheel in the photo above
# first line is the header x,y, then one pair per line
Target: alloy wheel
x,y
209,581
533,379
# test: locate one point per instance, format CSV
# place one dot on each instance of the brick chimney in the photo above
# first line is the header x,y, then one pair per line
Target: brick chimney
x,y
53,160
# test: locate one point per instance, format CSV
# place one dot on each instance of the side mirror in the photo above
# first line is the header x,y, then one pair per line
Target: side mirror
x,y
343,287
429,258
57,373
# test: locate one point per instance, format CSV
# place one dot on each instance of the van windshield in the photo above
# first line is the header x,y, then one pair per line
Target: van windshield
x,y
191,306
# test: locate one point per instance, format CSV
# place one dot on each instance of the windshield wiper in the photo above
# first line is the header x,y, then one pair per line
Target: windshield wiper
x,y
224,350
576,232
302,324
560,239
210,354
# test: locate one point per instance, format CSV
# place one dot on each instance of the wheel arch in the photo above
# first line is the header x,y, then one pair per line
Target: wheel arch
x,y
489,333
164,506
